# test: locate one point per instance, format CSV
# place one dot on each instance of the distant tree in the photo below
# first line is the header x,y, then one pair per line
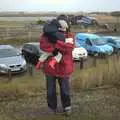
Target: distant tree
x,y
116,13
40,22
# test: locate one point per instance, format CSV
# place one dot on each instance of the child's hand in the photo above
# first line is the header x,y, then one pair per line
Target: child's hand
x,y
69,40
38,65
52,63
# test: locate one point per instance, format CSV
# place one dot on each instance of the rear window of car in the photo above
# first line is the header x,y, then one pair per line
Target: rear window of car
x,y
32,48
27,46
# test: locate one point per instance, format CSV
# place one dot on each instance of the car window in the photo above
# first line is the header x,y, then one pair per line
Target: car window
x,y
88,42
8,53
79,39
111,41
35,49
27,47
98,41
32,48
117,41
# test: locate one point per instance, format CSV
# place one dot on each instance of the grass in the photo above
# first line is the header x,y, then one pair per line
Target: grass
x,y
7,24
15,32
24,97
105,72
101,74
20,40
23,84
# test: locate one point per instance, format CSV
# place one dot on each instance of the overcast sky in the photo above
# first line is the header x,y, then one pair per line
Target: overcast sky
x,y
60,5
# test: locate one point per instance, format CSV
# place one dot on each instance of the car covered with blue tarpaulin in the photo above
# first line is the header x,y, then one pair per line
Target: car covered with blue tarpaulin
x,y
94,44
114,42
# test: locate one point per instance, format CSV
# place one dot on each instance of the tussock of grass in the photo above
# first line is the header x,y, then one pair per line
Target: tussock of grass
x,y
22,86
104,73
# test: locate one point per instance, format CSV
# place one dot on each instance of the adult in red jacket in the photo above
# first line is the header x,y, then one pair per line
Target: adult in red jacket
x,y
62,70
65,67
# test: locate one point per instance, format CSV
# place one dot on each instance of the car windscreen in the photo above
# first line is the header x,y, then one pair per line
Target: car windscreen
x,y
98,41
117,40
8,53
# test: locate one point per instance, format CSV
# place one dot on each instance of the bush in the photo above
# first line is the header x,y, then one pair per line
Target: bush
x,y
40,22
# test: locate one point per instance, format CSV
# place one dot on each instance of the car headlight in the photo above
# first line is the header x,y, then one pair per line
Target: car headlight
x,y
24,62
96,54
24,65
3,68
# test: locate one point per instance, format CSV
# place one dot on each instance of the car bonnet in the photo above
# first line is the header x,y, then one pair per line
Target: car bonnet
x,y
16,60
104,48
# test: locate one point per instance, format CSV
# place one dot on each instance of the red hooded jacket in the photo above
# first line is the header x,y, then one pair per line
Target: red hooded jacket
x,y
66,65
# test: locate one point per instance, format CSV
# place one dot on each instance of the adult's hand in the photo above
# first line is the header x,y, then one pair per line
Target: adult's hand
x,y
55,52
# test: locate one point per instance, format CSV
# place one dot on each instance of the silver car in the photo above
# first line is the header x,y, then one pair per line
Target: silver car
x,y
11,59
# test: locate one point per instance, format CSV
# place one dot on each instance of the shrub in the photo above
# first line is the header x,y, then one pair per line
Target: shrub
x,y
40,22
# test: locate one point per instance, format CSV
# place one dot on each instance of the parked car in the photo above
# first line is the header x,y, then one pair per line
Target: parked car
x,y
94,44
86,20
31,51
79,52
11,59
114,42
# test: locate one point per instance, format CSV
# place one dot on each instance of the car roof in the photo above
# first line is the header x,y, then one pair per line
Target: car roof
x,y
87,35
36,44
32,43
112,37
6,47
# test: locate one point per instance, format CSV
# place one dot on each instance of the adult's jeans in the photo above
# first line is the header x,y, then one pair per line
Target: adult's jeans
x,y
64,91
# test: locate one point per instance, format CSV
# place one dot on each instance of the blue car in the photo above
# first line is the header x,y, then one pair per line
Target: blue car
x,y
114,42
94,44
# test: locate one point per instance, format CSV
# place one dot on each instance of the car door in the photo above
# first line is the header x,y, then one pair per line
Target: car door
x,y
88,45
112,43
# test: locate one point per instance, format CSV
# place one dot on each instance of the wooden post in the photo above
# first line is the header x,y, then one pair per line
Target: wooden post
x,y
29,33
7,33
4,34
95,61
107,59
117,55
9,74
30,69
81,63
